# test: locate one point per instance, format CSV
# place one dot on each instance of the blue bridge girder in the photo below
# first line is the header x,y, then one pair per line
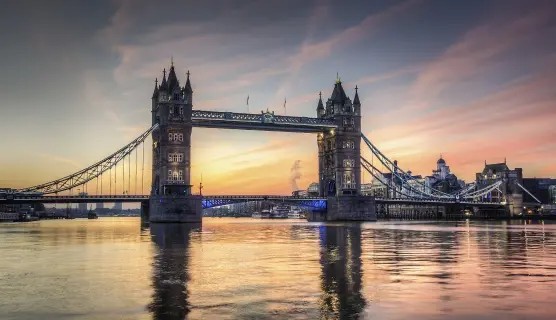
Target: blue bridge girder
x,y
304,202
208,201
264,121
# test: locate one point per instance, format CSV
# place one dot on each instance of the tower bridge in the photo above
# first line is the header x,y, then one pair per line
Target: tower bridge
x,y
337,126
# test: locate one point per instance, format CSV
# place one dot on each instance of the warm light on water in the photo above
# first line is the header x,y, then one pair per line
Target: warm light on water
x,y
255,269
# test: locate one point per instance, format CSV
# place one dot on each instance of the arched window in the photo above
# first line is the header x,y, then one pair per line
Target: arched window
x,y
348,163
348,181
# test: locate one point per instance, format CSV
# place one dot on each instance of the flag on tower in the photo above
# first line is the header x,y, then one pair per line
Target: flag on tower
x,y
247,103
284,106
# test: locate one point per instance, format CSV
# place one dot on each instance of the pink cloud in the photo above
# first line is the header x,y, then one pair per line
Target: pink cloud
x,y
474,54
517,122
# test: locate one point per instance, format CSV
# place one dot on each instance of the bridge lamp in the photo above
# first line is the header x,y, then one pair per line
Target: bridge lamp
x,y
332,131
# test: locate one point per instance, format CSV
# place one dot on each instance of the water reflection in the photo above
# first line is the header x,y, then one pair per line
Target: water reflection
x,y
170,270
340,258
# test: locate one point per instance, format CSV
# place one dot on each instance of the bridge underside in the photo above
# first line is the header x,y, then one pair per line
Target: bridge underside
x,y
261,122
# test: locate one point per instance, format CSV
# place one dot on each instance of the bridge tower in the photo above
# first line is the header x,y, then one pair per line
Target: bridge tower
x,y
171,198
340,158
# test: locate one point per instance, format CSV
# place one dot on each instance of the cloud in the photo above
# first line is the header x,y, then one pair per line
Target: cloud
x,y
517,120
479,51
310,51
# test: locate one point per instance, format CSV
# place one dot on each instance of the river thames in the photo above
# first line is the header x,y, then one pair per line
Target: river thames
x,y
115,268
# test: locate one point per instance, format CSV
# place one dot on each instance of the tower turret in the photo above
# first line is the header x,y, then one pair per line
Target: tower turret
x,y
173,83
163,84
320,107
356,102
155,92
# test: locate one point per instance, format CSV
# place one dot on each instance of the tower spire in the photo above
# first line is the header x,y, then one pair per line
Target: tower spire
x,y
155,92
188,88
320,106
356,98
163,84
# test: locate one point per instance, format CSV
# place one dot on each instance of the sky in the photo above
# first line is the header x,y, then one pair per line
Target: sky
x,y
474,81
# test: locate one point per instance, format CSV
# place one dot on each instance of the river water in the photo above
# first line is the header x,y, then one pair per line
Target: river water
x,y
115,268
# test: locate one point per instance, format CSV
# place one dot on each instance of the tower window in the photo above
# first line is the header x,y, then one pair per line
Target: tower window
x,y
348,163
171,109
171,136
175,157
176,96
349,181
181,110
348,144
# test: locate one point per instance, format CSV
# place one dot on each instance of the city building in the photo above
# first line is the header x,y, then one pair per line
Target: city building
x,y
117,206
82,207
543,189
313,190
442,179
495,172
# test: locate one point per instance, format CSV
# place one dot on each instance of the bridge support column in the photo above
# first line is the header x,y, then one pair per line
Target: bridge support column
x,y
176,208
145,210
351,208
515,204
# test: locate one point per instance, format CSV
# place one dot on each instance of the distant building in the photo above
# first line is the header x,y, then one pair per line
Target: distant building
x,y
82,207
500,171
442,179
313,190
117,206
300,193
544,189
389,186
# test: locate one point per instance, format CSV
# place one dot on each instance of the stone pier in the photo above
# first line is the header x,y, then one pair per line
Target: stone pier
x,y
171,208
346,208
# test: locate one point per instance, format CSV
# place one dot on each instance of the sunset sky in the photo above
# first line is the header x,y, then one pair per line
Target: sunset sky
x,y
471,80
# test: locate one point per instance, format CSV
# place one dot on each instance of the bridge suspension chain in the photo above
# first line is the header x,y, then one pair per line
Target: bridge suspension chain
x,y
135,191
469,192
403,176
377,174
81,177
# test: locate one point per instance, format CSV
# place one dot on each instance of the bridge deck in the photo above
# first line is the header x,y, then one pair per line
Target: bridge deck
x,y
229,198
263,121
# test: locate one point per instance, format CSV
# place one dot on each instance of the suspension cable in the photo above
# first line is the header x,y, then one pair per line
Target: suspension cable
x,y
143,168
123,175
96,191
110,178
135,172
128,173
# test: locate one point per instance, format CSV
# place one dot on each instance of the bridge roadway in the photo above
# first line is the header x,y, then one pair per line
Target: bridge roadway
x,y
229,199
265,121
